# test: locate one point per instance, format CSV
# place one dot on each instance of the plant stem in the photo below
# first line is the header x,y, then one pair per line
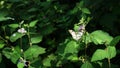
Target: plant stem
x,y
109,63
4,35
21,47
86,45
2,38
21,43
4,30
28,33
85,51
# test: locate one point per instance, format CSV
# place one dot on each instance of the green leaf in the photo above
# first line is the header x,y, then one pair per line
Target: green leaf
x,y
11,54
85,10
33,23
75,10
20,65
115,41
16,36
47,61
6,52
13,25
81,4
100,37
32,9
4,18
36,39
111,52
3,14
71,47
73,58
33,52
76,27
87,65
2,45
99,54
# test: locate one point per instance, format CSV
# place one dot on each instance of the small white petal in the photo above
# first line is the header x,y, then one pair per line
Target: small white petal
x,y
22,30
14,34
19,30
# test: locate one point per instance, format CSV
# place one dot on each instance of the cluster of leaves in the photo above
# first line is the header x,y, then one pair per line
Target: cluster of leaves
x,y
34,34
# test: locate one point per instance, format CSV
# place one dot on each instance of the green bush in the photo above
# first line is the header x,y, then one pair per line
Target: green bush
x,y
59,33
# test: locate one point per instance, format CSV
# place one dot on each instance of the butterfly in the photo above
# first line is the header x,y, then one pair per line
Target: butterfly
x,y
76,35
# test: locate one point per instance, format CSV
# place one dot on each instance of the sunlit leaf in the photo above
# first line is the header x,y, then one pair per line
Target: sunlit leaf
x,y
13,25
13,55
100,37
73,58
76,27
99,54
2,45
20,65
16,36
4,18
33,23
33,52
71,47
6,52
47,61
85,10
111,52
36,39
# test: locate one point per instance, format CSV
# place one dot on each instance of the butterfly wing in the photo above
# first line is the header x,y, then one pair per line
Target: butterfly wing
x,y
75,35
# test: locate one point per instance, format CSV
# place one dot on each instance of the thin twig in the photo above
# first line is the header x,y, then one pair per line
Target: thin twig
x,y
109,63
28,34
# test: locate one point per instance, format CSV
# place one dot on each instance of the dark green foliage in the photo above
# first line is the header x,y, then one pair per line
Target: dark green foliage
x,y
59,33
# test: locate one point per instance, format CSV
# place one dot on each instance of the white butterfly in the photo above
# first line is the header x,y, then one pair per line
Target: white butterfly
x,y
77,35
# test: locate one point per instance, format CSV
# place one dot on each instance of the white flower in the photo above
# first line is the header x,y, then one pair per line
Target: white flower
x,y
82,28
14,34
22,30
